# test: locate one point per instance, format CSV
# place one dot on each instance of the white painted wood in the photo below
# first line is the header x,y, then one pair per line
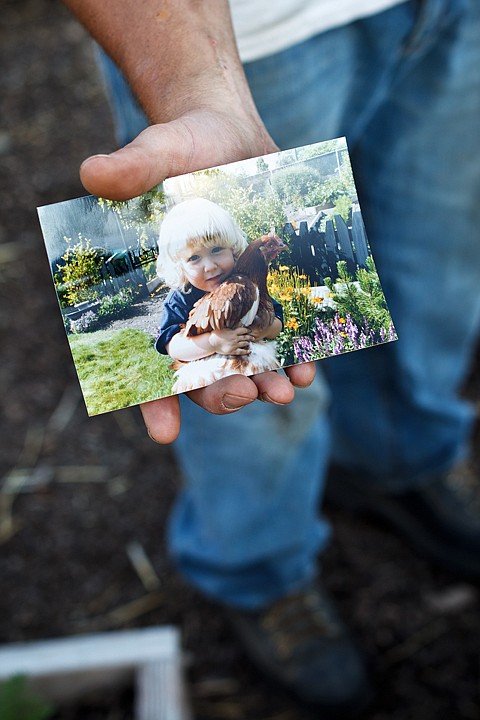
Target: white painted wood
x,y
160,692
66,669
128,648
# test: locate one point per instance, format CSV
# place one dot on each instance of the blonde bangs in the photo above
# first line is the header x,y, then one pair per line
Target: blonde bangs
x,y
190,225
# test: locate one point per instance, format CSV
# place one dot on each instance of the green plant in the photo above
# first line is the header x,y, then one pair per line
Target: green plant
x,y
343,207
363,299
80,273
294,185
112,305
300,309
18,702
255,212
142,213
150,270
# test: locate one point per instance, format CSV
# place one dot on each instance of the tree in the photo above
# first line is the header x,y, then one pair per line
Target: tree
x,y
262,166
287,157
139,213
294,185
255,212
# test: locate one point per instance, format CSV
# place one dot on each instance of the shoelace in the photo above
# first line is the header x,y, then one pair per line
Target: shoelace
x,y
296,619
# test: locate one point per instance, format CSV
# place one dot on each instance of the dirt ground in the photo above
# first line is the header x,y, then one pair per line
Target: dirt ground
x,y
76,492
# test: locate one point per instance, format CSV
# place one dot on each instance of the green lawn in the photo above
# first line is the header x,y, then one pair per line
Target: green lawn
x,y
119,368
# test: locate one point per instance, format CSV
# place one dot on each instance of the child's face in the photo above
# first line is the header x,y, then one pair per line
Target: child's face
x,y
206,267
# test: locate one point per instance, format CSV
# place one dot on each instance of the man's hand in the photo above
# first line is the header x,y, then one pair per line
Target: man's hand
x,y
162,417
182,63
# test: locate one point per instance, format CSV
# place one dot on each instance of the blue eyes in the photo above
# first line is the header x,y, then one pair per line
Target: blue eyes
x,y
214,251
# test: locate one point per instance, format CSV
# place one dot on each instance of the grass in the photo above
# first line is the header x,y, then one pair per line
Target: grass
x,y
119,368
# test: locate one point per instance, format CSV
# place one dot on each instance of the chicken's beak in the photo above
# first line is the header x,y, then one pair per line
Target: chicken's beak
x,y
281,246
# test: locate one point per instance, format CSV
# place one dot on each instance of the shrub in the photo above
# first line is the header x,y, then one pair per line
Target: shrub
x,y
293,185
84,323
80,274
112,305
361,299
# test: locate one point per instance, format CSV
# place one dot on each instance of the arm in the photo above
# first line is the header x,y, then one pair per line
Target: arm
x,y
224,342
181,60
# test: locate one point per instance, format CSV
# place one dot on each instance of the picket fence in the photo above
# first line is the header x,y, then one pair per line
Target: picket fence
x,y
316,252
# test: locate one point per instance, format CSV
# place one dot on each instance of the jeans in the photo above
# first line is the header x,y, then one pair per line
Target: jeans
x,y
404,87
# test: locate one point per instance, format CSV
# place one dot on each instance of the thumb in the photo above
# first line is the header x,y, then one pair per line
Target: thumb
x,y
158,152
192,142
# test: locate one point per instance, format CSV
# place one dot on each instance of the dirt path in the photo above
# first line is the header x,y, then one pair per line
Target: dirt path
x,y
144,315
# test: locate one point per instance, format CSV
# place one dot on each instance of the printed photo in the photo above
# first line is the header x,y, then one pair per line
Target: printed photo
x,y
242,268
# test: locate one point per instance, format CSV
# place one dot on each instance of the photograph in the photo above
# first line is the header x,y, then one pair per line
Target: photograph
x,y
242,268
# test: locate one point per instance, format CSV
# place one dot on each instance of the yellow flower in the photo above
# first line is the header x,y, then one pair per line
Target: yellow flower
x,y
343,334
302,277
285,296
317,299
304,291
342,321
285,268
292,323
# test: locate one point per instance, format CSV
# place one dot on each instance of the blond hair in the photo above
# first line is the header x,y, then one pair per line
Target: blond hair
x,y
193,224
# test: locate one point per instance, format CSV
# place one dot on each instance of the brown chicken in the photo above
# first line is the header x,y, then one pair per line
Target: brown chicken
x,y
241,300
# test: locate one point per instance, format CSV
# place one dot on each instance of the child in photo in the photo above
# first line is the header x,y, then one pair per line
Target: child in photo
x,y
199,246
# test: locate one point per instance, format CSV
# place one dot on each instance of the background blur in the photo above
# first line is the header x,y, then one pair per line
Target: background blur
x,y
79,496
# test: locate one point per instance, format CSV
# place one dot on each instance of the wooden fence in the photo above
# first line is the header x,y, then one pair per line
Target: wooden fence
x,y
316,252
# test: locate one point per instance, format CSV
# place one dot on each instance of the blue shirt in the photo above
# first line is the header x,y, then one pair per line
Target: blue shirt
x,y
176,310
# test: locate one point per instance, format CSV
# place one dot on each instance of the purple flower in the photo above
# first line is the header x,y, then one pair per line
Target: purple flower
x,y
303,349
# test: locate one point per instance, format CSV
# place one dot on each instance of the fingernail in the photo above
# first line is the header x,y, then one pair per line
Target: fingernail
x,y
93,157
235,402
265,397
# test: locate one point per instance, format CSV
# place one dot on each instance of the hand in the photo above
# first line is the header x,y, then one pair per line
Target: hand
x,y
231,342
166,150
162,417
183,65
169,149
268,333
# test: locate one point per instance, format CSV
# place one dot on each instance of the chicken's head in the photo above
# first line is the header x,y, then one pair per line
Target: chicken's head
x,y
271,247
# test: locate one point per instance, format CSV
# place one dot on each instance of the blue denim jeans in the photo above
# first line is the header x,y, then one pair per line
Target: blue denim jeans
x,y
404,87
